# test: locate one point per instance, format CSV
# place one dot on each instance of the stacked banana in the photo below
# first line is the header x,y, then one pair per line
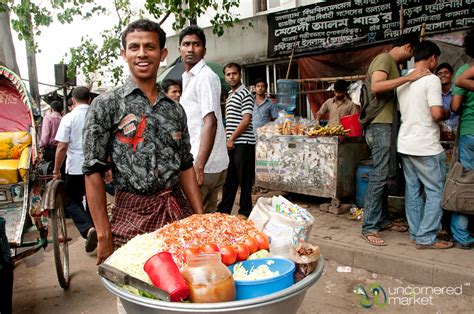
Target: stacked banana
x,y
327,130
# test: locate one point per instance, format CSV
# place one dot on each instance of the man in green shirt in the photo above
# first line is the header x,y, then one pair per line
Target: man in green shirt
x,y
383,77
463,97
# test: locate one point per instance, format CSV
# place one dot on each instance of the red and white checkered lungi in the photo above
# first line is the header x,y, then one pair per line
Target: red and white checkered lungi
x,y
138,214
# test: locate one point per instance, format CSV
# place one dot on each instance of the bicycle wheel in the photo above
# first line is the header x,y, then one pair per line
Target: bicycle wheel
x,y
60,241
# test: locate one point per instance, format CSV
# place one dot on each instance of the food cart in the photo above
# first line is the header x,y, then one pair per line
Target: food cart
x,y
320,166
323,166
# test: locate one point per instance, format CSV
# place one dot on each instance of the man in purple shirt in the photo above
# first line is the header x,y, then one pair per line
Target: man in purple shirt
x,y
48,131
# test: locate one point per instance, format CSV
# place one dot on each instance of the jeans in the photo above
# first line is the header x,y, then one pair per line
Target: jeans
x,y
75,189
377,136
424,215
241,172
459,222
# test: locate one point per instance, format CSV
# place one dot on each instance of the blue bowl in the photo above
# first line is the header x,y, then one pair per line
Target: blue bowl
x,y
248,289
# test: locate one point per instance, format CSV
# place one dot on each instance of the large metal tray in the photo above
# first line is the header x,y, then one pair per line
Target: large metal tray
x,y
285,301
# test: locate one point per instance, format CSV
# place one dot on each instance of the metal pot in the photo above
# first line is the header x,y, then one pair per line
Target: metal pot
x,y
285,301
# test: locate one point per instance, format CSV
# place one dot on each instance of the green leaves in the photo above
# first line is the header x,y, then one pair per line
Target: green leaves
x,y
29,16
190,10
97,61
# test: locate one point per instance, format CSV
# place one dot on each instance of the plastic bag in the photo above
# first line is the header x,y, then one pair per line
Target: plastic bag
x,y
282,220
305,256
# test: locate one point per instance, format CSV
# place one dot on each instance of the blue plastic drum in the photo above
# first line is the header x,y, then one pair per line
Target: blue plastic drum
x,y
362,181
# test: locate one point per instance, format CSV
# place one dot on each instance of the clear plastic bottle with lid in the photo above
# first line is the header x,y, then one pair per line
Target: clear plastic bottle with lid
x,y
209,280
286,95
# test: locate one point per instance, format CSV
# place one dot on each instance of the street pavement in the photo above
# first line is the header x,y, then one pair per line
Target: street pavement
x,y
398,265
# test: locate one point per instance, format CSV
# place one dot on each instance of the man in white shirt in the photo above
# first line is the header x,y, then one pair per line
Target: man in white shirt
x,y
201,101
421,109
69,137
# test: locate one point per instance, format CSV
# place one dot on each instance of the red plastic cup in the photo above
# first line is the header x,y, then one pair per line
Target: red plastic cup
x,y
165,274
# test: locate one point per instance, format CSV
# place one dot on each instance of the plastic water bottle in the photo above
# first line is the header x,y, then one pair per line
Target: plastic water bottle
x,y
286,95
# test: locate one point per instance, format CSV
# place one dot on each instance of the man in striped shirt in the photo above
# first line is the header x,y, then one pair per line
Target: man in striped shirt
x,y
240,144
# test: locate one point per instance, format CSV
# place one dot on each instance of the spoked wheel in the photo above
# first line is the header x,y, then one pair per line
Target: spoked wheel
x,y
60,240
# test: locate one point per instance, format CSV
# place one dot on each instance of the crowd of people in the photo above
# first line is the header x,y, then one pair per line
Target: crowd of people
x,y
426,98
170,152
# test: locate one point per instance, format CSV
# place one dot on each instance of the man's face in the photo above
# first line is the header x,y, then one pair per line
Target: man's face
x,y
445,76
191,49
232,77
143,54
339,95
260,88
174,92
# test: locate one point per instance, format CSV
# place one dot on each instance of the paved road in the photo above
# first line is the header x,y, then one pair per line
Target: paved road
x,y
36,289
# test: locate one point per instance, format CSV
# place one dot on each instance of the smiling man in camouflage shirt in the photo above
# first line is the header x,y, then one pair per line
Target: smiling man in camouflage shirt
x,y
142,135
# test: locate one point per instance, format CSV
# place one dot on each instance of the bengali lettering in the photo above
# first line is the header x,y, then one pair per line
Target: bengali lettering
x,y
457,13
465,22
436,26
291,30
350,12
287,16
335,23
365,2
409,11
329,24
378,8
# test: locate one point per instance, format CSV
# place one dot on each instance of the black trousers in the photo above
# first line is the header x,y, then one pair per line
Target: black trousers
x,y
76,189
49,154
241,172
6,288
6,271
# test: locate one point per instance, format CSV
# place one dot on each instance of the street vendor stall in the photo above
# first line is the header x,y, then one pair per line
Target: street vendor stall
x,y
320,166
297,156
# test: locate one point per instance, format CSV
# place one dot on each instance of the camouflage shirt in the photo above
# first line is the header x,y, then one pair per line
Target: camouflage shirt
x,y
147,146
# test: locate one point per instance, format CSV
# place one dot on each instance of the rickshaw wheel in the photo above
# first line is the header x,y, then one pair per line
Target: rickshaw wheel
x,y
60,242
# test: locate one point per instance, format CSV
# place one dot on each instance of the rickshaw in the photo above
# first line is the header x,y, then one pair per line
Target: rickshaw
x,y
29,199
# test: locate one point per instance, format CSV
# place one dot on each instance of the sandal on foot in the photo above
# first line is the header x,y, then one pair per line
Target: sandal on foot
x,y
396,227
438,245
367,236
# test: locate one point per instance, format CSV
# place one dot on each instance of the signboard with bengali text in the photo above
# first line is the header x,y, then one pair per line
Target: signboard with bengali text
x,y
340,24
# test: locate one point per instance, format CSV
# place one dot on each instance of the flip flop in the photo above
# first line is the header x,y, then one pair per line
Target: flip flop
x,y
366,236
399,227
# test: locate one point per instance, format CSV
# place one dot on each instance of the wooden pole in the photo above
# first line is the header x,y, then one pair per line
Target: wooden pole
x,y
401,19
401,66
423,32
289,64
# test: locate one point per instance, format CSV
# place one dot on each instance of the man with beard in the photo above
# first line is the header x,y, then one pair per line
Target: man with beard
x,y
338,106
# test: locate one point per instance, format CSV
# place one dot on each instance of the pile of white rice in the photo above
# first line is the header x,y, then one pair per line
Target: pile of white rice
x,y
260,272
131,257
